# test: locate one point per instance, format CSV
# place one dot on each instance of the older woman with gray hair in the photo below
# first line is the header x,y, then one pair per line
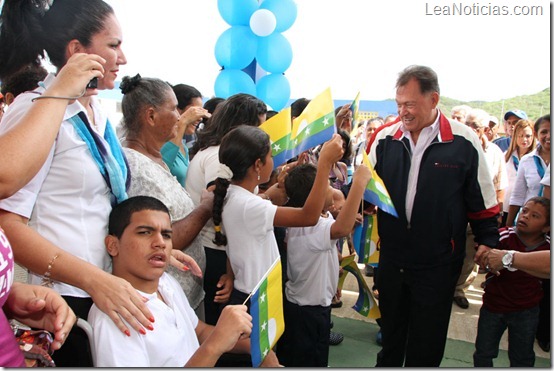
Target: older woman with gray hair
x,y
150,118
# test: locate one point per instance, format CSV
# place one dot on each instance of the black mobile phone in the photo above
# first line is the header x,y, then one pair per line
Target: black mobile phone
x,y
93,84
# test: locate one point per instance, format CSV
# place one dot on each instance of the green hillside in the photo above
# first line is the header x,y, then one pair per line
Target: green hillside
x,y
534,105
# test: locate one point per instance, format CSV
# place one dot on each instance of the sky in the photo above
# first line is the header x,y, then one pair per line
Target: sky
x,y
356,45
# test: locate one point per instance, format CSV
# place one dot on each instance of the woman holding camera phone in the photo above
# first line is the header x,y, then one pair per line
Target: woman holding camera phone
x,y
57,222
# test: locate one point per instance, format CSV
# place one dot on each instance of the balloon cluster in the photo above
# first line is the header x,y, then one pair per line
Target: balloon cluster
x,y
255,37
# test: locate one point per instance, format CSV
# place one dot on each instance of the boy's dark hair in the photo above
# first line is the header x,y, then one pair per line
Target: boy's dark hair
x,y
120,216
545,202
299,183
298,106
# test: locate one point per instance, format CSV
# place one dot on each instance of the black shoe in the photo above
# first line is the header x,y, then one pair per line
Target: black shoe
x,y
368,270
379,338
545,345
335,338
338,304
461,302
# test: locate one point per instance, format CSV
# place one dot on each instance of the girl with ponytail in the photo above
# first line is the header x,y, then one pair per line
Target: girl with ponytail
x,y
244,221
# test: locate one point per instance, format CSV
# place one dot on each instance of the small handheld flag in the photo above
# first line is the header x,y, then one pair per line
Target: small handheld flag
x,y
315,125
266,310
366,241
279,128
355,108
376,192
366,304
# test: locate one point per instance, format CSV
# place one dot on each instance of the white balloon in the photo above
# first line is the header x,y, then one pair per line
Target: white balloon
x,y
263,22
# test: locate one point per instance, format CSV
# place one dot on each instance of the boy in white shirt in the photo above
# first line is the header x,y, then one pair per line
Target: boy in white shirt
x,y
139,241
312,269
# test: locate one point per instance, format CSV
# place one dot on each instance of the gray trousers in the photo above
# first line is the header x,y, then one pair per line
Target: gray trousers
x,y
469,268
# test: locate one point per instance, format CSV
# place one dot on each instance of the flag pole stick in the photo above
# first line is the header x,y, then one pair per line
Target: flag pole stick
x,y
262,279
248,298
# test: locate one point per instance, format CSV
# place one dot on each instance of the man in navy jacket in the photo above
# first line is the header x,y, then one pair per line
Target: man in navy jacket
x,y
436,174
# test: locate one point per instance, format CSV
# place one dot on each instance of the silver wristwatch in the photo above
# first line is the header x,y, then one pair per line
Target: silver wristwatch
x,y
508,260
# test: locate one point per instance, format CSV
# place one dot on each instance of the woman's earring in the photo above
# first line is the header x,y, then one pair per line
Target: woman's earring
x,y
258,175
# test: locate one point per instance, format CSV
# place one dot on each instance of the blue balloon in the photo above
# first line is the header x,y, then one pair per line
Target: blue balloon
x,y
284,10
237,12
274,53
274,90
230,82
236,47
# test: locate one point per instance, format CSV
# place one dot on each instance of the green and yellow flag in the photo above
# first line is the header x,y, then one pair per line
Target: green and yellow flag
x,y
366,304
355,108
266,309
279,129
315,125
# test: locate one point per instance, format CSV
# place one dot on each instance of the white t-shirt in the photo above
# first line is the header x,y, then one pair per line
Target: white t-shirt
x,y
150,179
172,342
202,170
68,201
251,245
312,264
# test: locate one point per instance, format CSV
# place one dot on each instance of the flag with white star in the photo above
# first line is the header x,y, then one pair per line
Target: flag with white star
x,y
366,304
279,128
315,125
376,192
266,309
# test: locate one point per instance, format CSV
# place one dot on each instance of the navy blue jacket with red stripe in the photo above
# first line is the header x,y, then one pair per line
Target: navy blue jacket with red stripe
x,y
454,186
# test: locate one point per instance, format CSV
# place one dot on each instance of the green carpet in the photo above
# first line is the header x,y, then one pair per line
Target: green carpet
x,y
359,348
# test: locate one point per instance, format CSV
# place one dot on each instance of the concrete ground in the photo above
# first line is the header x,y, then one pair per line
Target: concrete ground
x,y
359,348
463,322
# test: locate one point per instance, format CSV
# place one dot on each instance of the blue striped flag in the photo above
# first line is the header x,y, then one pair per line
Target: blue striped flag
x,y
279,128
366,304
266,309
355,108
315,125
376,192
366,241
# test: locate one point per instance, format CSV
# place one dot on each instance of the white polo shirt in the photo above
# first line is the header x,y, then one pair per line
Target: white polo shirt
x,y
312,264
171,344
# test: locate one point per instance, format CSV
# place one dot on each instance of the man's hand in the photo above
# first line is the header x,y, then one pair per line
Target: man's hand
x,y
481,256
